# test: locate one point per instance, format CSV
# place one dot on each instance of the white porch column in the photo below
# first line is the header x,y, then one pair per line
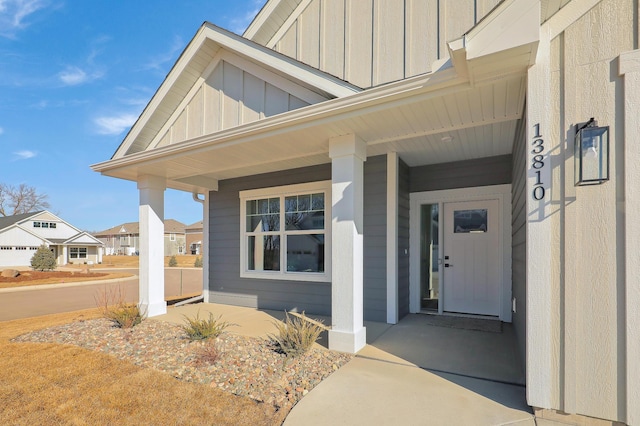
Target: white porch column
x,y
348,154
65,255
630,69
152,245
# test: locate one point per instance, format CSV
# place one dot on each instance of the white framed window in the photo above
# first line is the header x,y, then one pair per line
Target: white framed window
x,y
285,232
77,252
36,224
172,237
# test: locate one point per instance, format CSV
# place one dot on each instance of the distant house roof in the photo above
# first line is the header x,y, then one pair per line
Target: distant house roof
x,y
171,226
69,239
7,221
195,226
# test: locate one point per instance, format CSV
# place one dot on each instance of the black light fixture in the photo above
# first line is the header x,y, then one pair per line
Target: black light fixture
x,y
591,153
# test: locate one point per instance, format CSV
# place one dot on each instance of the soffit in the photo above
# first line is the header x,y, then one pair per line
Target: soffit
x,y
548,8
452,122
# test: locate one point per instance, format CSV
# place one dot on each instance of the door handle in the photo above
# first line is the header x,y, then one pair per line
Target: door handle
x,y
448,265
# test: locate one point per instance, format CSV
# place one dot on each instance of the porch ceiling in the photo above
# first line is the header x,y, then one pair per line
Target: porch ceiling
x,y
429,119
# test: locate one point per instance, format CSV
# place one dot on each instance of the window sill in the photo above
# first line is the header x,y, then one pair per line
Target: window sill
x,y
287,276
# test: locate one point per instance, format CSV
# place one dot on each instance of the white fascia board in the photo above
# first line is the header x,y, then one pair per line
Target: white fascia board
x,y
428,85
244,47
261,18
569,14
287,24
282,63
83,234
511,24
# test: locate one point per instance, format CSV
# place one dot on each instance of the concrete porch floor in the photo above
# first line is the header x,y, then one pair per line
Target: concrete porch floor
x,y
412,373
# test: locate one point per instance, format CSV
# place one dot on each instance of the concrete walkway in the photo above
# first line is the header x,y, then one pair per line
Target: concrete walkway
x,y
385,384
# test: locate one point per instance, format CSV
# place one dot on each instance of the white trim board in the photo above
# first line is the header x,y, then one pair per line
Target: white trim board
x,y
498,192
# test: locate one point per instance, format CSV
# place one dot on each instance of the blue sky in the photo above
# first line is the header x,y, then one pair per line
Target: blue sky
x,y
74,76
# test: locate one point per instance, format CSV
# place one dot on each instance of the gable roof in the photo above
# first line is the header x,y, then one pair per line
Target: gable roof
x,y
7,221
197,226
193,65
133,228
84,238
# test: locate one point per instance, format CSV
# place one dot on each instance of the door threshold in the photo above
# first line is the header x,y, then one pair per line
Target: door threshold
x,y
461,315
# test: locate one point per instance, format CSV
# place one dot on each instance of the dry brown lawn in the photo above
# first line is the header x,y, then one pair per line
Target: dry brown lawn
x,y
29,278
59,384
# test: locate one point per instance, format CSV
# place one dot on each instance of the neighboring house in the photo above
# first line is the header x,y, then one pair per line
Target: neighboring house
x,y
372,159
124,239
194,238
21,235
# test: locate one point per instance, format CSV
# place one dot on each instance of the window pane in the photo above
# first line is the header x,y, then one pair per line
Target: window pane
x,y
465,221
317,201
263,215
263,253
304,212
305,253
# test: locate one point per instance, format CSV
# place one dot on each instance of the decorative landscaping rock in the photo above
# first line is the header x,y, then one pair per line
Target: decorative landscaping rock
x,y
10,273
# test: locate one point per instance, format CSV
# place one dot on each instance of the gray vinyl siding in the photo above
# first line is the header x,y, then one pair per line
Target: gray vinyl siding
x,y
462,174
225,285
403,239
375,239
519,239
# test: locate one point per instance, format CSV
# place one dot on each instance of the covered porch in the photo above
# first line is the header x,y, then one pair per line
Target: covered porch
x,y
468,110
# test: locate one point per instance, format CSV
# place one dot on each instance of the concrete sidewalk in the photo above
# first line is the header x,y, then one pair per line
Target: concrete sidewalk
x,y
380,388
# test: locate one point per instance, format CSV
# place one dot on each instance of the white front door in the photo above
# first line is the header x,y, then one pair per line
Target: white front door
x,y
472,257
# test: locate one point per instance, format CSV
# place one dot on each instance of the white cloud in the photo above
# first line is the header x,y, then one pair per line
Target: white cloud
x,y
24,155
239,24
13,14
157,62
114,125
73,76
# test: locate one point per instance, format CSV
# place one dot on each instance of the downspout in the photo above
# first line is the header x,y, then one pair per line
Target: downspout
x,y
204,250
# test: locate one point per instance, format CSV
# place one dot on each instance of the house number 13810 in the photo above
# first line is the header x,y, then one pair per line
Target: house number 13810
x,y
537,162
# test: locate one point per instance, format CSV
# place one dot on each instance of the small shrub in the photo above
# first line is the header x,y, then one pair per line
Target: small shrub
x,y
198,262
115,308
200,329
295,336
43,259
207,354
173,262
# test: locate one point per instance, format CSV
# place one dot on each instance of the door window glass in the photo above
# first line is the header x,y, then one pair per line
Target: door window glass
x,y
470,221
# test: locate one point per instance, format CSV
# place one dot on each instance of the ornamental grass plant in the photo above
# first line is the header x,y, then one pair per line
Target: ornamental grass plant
x,y
199,328
113,304
296,336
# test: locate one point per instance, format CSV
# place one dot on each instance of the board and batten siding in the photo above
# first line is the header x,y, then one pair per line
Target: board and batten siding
x,y
372,42
461,174
226,286
228,97
403,239
519,238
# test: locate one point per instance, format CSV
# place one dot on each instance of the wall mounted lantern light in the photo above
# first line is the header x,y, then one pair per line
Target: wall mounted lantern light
x,y
591,153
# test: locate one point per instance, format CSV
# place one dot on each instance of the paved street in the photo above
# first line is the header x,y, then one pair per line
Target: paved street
x,y
24,302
